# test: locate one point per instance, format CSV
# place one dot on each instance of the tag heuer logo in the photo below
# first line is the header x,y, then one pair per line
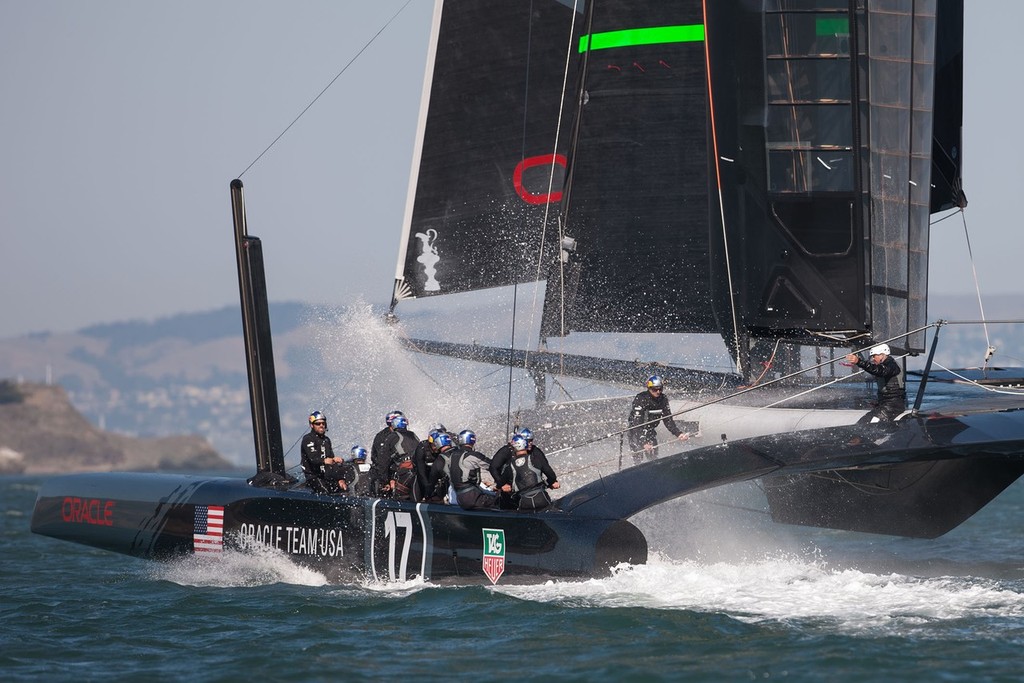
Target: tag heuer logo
x,y
494,554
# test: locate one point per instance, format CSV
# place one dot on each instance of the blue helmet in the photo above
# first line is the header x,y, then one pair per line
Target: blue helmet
x,y
526,433
400,422
467,438
655,382
519,443
443,440
389,418
357,453
317,416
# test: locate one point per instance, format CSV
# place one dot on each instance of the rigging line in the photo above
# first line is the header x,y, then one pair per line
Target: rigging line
x,y
415,364
791,375
547,205
837,380
511,354
326,87
735,394
768,363
977,289
949,215
522,155
977,384
718,183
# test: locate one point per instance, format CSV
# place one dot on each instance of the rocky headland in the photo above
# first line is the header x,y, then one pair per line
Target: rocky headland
x,y
42,433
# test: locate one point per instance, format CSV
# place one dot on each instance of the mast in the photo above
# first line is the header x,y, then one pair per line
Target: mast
x,y
259,352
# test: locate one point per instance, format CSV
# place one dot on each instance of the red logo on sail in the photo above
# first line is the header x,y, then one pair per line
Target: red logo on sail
x,y
542,160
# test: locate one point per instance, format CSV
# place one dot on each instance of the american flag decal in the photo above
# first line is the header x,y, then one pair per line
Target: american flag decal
x,y
208,534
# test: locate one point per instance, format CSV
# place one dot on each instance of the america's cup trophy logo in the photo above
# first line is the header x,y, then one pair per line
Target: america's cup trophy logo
x,y
494,554
429,258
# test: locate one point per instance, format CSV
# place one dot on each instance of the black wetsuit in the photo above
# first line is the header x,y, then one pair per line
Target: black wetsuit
x,y
379,463
892,395
316,449
463,467
401,471
399,446
423,459
501,472
361,486
531,475
644,415
344,471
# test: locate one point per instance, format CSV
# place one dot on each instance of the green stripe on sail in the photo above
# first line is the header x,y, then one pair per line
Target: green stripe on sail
x,y
643,36
832,26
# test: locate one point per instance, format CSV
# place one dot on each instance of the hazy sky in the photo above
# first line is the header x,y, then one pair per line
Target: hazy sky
x,y
123,122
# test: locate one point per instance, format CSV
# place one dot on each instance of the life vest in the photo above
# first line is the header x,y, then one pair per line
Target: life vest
x,y
525,475
403,470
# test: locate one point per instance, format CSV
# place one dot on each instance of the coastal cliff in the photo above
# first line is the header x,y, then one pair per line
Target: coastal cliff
x,y
42,433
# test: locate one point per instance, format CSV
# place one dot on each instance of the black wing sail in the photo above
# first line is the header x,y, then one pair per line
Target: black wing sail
x,y
638,212
489,163
759,170
824,112
947,161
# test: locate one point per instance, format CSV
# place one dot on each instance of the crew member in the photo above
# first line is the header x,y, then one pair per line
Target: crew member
x,y
377,481
650,407
361,485
463,467
399,447
501,468
346,471
529,476
423,459
892,395
318,461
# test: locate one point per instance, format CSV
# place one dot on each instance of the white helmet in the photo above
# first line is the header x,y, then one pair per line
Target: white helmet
x,y
880,349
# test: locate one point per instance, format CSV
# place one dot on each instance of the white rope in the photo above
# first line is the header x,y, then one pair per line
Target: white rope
x,y
994,390
721,201
977,289
551,183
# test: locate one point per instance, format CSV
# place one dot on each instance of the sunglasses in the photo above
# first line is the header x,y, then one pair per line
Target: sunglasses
x,y
655,388
319,424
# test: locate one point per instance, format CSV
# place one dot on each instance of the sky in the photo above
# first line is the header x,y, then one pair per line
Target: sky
x,y
123,122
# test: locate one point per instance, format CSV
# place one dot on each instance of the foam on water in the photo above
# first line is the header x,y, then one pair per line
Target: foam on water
x,y
786,588
255,566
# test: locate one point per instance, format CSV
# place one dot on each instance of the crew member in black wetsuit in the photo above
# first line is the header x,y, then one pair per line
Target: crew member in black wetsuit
x,y
649,407
423,459
501,469
892,395
399,447
527,476
463,467
377,481
319,465
360,486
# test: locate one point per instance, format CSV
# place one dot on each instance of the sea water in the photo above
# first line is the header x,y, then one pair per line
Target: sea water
x,y
727,595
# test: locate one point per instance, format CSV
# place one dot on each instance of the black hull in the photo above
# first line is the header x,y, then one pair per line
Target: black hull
x,y
348,539
918,500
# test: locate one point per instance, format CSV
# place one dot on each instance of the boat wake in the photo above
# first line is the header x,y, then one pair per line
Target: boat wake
x,y
253,567
787,588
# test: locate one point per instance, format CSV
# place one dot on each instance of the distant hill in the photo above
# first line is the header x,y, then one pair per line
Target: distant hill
x,y
177,375
41,432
